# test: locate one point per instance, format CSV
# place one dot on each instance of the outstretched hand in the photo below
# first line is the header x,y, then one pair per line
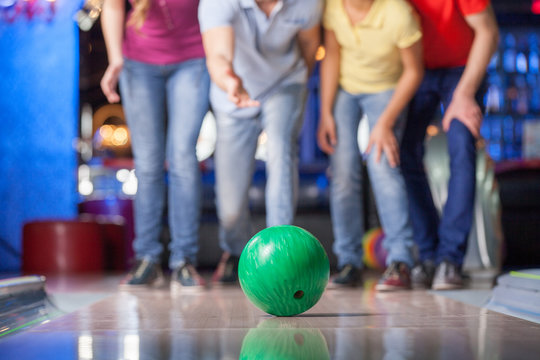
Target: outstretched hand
x,y
236,92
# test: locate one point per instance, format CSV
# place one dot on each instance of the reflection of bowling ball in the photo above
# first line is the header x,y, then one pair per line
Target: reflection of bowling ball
x,y
278,339
374,252
283,270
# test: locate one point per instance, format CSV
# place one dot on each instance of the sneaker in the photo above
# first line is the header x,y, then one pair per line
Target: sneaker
x,y
144,273
348,276
422,275
396,277
186,277
227,270
447,277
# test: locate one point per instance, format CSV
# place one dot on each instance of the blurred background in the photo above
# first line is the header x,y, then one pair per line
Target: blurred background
x,y
66,172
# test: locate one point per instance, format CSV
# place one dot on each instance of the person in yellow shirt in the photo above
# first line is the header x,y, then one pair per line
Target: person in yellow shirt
x,y
372,67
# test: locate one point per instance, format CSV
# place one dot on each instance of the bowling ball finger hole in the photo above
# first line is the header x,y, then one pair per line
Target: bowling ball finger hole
x,y
298,295
299,339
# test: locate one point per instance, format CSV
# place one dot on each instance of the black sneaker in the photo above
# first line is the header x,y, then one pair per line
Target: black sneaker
x,y
348,276
186,277
144,273
227,270
447,277
422,275
396,277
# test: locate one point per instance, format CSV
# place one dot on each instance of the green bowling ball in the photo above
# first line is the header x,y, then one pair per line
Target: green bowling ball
x,y
283,340
283,270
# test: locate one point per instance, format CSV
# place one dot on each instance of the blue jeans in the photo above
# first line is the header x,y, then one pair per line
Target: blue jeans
x,y
280,117
164,107
346,184
444,239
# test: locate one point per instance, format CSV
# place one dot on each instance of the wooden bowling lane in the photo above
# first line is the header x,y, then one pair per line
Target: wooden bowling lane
x,y
222,324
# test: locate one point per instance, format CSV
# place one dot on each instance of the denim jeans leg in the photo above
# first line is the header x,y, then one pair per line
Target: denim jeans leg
x,y
281,118
346,204
234,165
457,215
456,220
187,104
143,96
423,213
389,188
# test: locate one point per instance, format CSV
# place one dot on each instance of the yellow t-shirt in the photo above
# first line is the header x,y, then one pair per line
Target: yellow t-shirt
x,y
370,59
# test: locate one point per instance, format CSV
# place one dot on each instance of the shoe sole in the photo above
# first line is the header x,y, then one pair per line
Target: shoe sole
x,y
382,287
420,287
220,285
158,284
446,287
178,288
332,286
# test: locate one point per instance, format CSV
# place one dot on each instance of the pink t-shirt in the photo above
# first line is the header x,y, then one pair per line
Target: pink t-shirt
x,y
170,34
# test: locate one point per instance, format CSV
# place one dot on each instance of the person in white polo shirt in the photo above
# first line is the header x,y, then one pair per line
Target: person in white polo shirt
x,y
259,55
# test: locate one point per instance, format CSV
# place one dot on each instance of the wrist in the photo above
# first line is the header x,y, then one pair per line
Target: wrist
x,y
116,63
385,123
326,112
463,92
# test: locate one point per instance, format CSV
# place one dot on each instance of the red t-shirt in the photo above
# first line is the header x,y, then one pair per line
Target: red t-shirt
x,y
447,38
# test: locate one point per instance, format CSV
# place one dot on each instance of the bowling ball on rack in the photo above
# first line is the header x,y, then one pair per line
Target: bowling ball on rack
x,y
374,252
283,270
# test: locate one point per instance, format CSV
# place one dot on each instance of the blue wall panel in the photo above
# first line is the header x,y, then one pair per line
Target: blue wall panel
x,y
39,66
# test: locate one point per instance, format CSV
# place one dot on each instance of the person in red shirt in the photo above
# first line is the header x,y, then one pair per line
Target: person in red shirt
x,y
460,37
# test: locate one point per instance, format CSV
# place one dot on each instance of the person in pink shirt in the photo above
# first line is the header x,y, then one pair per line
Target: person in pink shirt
x,y
156,55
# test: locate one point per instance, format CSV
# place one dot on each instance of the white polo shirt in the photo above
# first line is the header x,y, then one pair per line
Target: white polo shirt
x,y
266,55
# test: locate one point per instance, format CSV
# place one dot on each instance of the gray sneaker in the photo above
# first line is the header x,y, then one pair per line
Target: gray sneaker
x,y
144,273
348,276
186,277
447,277
397,276
227,270
422,275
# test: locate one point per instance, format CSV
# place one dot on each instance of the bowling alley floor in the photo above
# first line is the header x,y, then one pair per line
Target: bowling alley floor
x,y
101,322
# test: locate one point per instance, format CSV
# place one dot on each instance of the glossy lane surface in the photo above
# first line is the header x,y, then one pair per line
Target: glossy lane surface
x,y
223,324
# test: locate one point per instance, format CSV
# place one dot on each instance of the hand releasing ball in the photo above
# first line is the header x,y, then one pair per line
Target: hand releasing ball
x,y
283,270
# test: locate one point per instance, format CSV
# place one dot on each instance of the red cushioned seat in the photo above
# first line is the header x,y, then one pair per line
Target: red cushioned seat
x,y
62,246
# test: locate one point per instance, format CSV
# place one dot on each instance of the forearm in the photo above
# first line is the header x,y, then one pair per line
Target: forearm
x,y
219,47
112,23
484,45
309,58
481,52
404,91
410,79
329,81
219,68
309,43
